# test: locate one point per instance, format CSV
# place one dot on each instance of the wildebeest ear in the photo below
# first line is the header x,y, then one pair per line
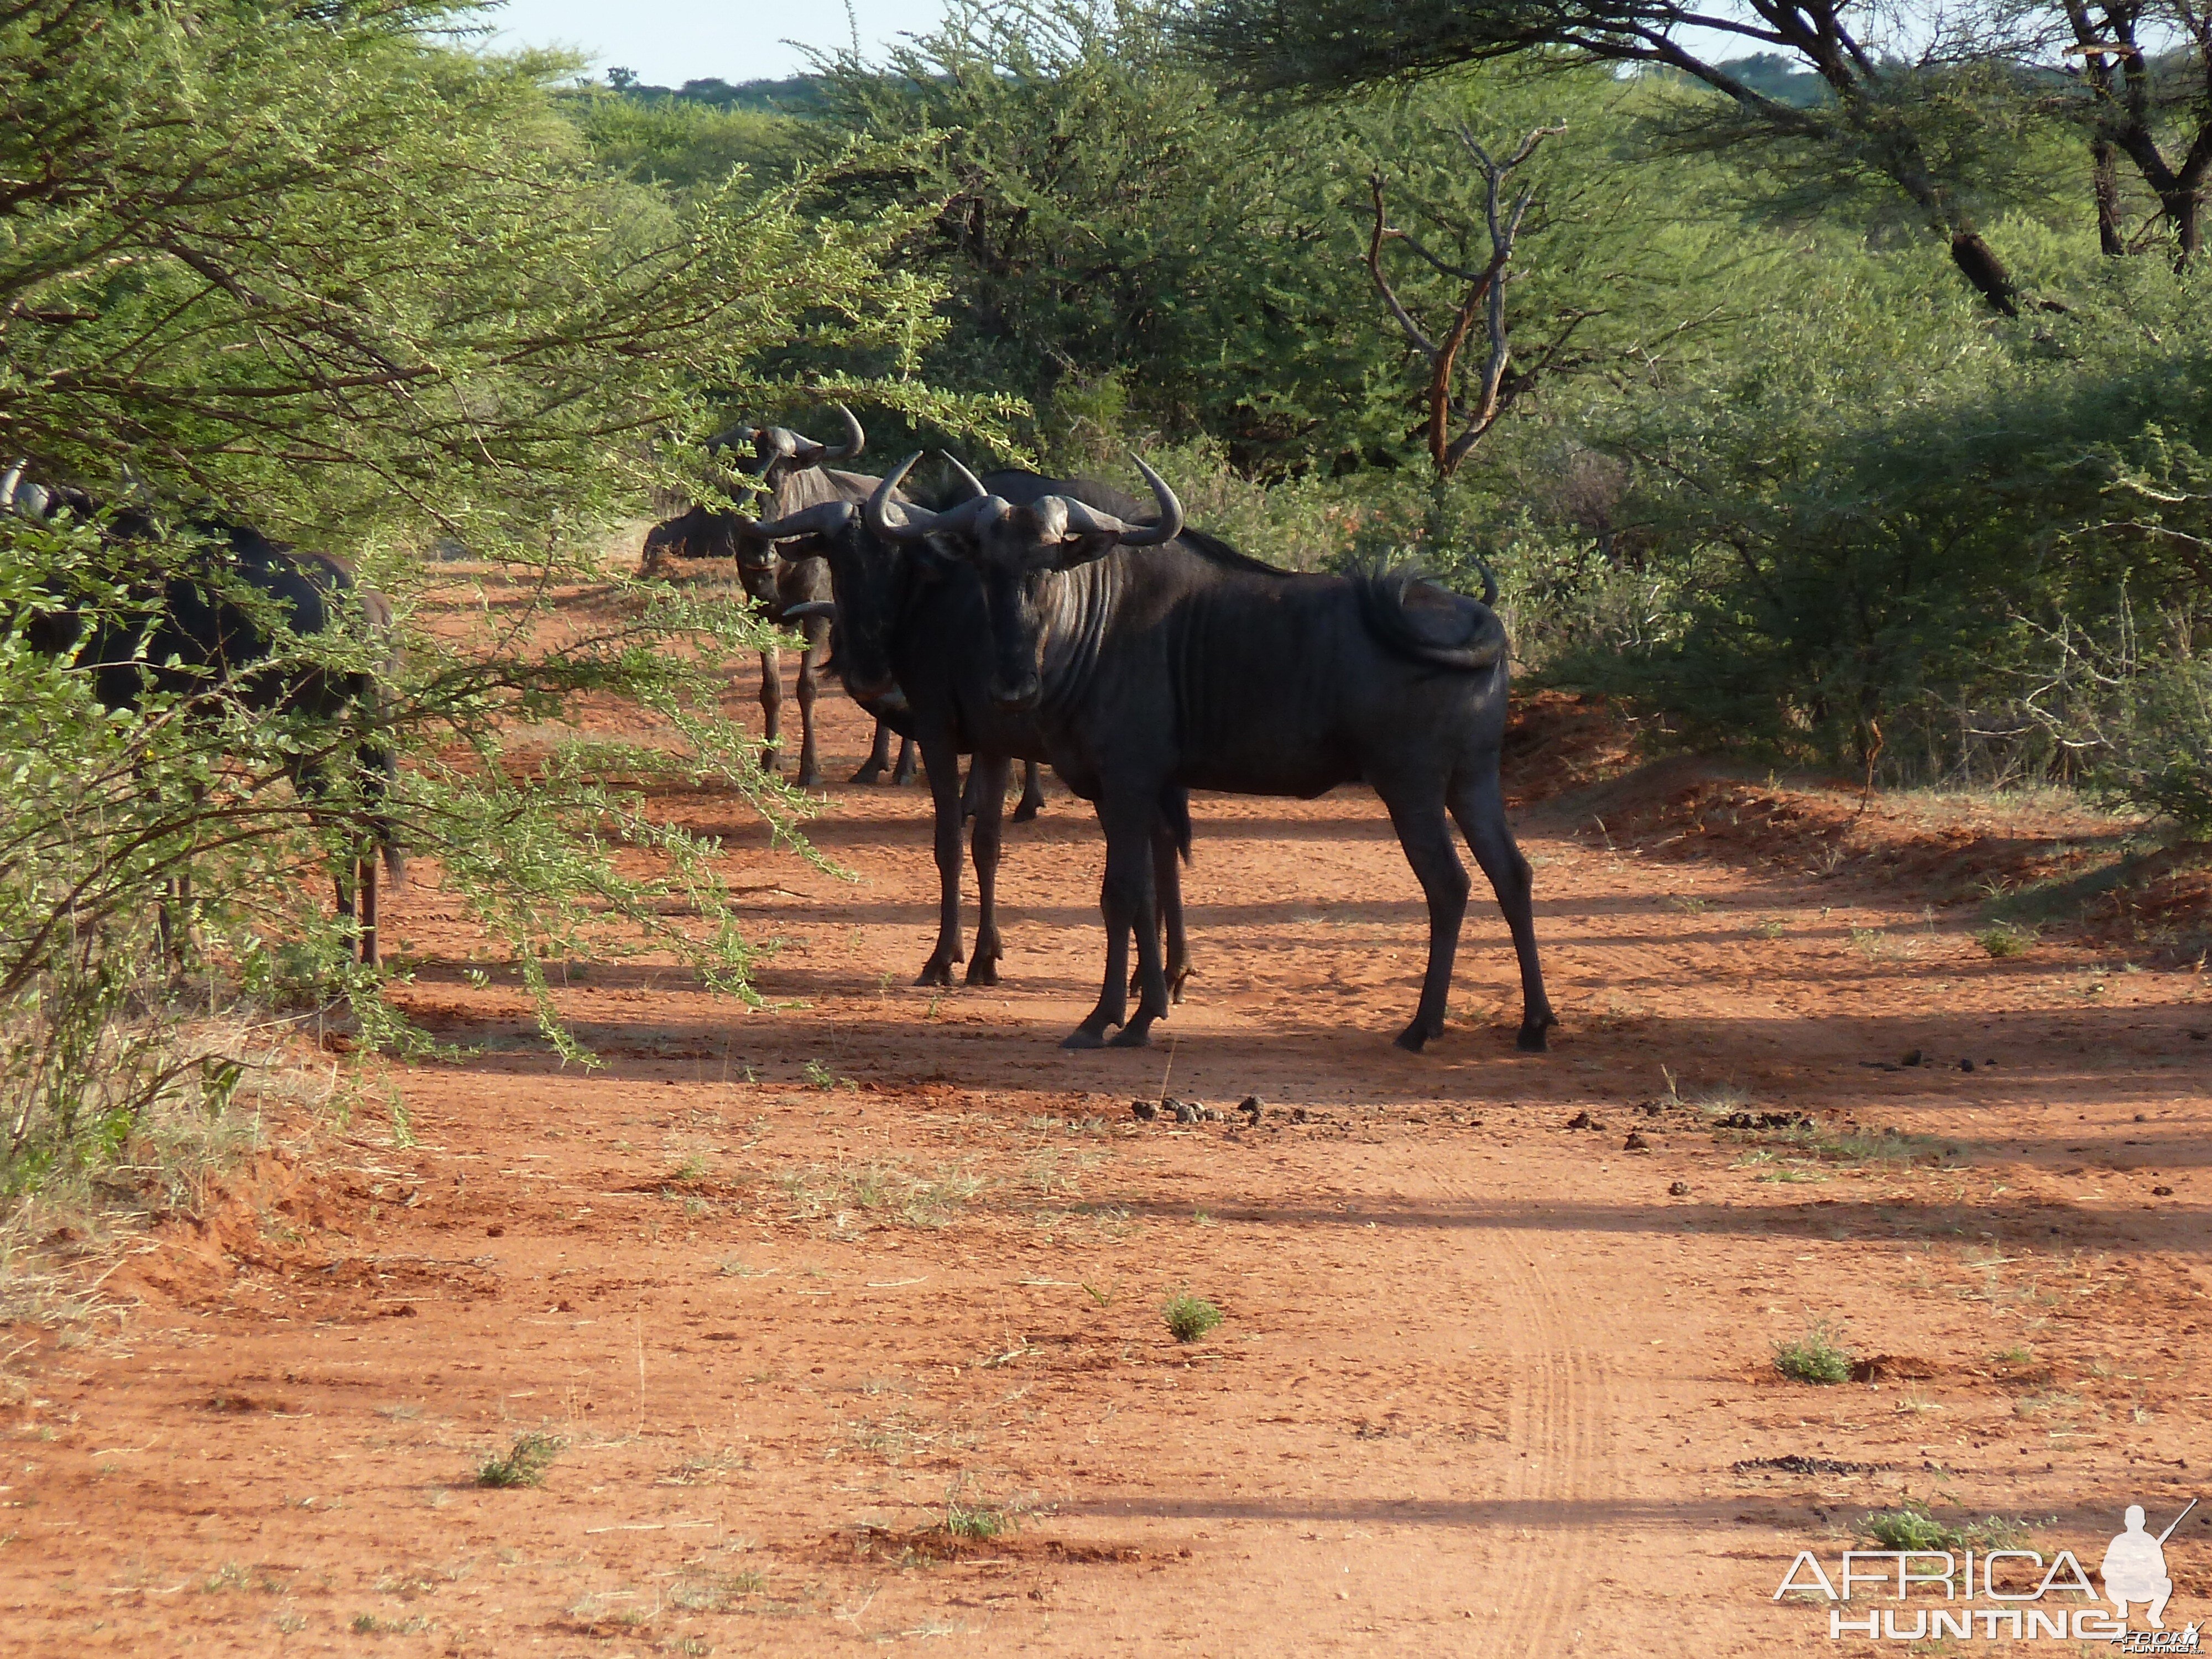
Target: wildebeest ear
x,y
1084,548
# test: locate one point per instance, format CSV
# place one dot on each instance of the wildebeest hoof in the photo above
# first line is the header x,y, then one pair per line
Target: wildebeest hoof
x,y
1023,813
812,780
935,972
1533,1040
1083,1038
868,773
1414,1038
984,970
1137,1034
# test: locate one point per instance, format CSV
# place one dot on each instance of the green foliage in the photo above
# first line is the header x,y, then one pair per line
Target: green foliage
x,y
1189,1317
324,272
688,144
1817,1357
1912,1526
524,1463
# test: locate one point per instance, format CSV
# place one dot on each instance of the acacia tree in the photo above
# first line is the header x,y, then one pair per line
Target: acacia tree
x,y
2141,70
319,268
1921,117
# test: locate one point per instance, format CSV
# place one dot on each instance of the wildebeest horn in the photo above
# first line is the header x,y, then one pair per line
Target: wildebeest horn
x,y
974,483
855,441
25,500
1489,582
1170,520
912,523
730,436
824,518
802,611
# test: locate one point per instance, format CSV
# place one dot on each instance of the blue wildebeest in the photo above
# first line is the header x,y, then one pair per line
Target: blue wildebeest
x,y
197,628
1151,663
910,623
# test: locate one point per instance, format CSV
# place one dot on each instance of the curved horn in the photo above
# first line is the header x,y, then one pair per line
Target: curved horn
x,y
825,518
1489,582
913,523
730,436
1170,521
14,476
810,608
855,441
974,484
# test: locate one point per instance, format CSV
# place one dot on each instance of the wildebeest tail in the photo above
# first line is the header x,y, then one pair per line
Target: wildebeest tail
x,y
1418,617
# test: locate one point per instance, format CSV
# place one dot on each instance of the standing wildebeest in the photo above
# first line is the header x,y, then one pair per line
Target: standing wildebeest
x,y
1151,665
796,470
190,630
910,622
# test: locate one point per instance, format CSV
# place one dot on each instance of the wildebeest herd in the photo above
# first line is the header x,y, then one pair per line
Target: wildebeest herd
x,y
1058,621
1017,617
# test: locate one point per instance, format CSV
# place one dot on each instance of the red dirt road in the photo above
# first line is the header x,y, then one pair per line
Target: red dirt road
x,y
794,1286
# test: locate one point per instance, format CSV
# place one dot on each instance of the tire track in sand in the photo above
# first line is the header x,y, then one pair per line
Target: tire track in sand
x,y
1560,1412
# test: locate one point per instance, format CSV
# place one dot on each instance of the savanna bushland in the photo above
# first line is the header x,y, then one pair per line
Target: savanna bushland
x,y
1833,391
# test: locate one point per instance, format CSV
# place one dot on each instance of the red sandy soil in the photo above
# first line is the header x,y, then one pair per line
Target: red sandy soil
x,y
795,1286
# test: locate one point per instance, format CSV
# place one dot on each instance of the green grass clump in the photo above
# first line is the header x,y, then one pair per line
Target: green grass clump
x,y
525,1464
1189,1317
2005,938
1910,1527
980,1522
1816,1356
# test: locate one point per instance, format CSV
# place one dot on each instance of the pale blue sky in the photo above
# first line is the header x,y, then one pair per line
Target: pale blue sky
x,y
669,42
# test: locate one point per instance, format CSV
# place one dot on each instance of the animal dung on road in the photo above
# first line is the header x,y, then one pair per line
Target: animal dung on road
x,y
1143,1110
1635,1142
1678,1189
1252,1107
1584,1121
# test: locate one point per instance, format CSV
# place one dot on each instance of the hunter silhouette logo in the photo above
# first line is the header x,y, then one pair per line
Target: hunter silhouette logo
x,y
2026,1597
2135,1565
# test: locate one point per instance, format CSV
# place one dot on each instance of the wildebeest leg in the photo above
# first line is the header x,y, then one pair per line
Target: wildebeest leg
x,y
1478,806
986,791
879,756
903,772
942,762
809,688
1167,884
771,701
1138,902
1115,892
1419,818
371,955
1167,888
1032,801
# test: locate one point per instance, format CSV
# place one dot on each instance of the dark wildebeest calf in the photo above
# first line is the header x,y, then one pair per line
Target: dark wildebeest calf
x,y
1152,666
189,631
910,623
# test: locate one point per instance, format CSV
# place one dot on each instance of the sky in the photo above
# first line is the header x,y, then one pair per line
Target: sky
x,y
669,42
